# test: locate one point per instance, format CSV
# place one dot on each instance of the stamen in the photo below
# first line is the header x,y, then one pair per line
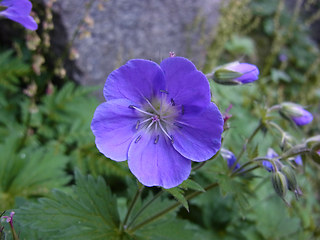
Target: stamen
x,y
152,106
177,125
171,139
149,126
138,109
156,139
164,91
164,131
137,125
172,102
146,120
138,139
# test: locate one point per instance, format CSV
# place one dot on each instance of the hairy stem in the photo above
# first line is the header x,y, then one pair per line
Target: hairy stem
x,y
244,147
135,198
170,208
155,197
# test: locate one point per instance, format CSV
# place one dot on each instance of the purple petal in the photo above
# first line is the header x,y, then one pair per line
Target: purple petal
x,y
271,153
305,118
185,84
267,165
19,11
136,80
298,160
199,135
250,72
114,126
157,164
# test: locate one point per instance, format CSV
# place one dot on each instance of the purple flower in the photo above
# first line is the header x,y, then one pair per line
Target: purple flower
x,y
298,160
19,11
267,164
236,73
159,118
229,157
296,113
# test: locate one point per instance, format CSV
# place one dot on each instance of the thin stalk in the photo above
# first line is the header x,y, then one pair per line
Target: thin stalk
x,y
244,147
173,206
155,197
135,198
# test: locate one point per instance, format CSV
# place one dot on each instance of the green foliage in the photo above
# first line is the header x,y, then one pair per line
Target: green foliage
x,y
89,213
31,171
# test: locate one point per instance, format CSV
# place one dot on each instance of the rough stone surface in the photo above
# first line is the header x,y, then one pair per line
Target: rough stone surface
x,y
125,29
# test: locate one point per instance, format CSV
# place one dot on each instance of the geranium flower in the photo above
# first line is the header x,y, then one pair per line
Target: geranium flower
x,y
159,118
230,158
296,113
19,11
270,154
236,73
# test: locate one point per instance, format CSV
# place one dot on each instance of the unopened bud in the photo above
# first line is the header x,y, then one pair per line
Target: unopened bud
x,y
296,113
279,183
291,177
235,73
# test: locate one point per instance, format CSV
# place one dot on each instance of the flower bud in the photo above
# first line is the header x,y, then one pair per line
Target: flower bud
x,y
229,157
296,113
267,164
279,183
291,177
236,73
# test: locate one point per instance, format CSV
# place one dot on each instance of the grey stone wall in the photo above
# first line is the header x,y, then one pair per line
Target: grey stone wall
x,y
118,30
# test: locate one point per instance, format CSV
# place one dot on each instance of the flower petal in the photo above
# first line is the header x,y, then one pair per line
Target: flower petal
x,y
114,126
305,118
136,80
19,11
157,164
184,83
199,137
250,72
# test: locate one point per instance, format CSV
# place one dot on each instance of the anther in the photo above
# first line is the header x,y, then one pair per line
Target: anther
x,y
182,109
138,139
171,139
156,139
164,91
131,106
137,125
172,102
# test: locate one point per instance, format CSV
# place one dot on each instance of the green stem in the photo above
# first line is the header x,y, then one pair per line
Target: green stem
x,y
173,206
155,197
244,147
135,198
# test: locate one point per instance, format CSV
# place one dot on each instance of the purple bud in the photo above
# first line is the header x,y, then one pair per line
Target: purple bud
x,y
296,113
283,57
298,160
267,164
236,73
229,157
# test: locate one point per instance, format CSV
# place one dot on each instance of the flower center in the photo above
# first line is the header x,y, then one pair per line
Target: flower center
x,y
159,116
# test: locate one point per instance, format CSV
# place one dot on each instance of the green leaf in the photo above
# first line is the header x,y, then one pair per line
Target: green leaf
x,y
89,213
190,184
177,193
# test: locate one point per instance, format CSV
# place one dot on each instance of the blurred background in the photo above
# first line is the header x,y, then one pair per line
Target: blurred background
x,y
51,82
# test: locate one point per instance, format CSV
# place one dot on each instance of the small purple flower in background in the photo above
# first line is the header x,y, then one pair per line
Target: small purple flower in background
x,y
298,160
283,57
267,164
296,113
9,219
230,158
236,73
159,118
19,11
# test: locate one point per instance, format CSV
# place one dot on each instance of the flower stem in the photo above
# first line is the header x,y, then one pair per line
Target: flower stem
x,y
155,197
135,198
173,206
244,147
